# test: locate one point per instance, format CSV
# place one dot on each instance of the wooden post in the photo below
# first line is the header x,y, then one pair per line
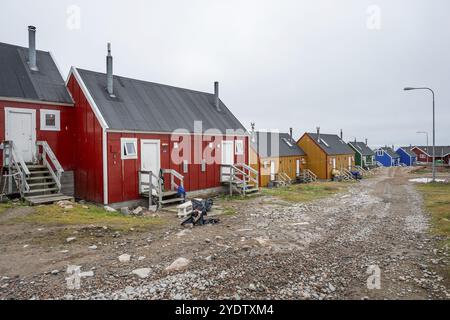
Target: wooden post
x,y
150,188
140,182
230,180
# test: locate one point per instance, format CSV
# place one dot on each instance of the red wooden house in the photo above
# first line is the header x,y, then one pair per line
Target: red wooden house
x,y
106,135
425,154
124,128
35,121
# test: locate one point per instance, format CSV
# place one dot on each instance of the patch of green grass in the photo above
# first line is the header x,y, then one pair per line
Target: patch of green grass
x,y
437,203
306,192
88,215
228,211
227,197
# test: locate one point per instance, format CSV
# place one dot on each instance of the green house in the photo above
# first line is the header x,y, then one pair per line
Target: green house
x,y
364,156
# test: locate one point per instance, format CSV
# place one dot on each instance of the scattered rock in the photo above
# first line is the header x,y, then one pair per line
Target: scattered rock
x,y
178,264
125,211
124,258
138,211
93,247
141,258
142,272
109,209
70,239
54,272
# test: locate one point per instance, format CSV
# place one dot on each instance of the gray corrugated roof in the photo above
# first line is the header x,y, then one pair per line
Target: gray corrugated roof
x,y
18,81
262,143
154,107
409,151
440,150
331,144
362,148
390,152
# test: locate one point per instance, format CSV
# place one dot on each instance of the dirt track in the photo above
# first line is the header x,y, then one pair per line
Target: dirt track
x,y
268,250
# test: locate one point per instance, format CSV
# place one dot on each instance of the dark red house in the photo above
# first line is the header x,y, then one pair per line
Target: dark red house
x,y
425,154
122,126
103,135
36,109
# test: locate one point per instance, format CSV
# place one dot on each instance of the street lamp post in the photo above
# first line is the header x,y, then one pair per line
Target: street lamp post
x,y
434,127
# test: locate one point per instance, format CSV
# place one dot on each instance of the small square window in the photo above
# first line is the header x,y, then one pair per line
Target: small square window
x,y
50,120
239,147
129,148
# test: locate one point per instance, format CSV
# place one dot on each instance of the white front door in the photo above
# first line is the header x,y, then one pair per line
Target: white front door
x,y
297,167
227,158
20,127
349,163
272,170
334,163
150,159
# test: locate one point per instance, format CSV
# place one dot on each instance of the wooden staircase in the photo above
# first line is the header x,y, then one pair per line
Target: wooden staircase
x,y
307,176
240,178
38,182
151,186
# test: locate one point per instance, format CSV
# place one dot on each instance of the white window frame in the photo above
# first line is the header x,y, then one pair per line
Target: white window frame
x,y
56,113
239,147
380,153
124,141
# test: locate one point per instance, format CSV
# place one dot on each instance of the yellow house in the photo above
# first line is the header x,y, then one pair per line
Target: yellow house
x,y
275,155
326,152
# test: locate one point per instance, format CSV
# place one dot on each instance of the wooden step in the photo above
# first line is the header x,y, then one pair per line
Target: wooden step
x,y
173,200
46,199
167,194
36,166
31,185
41,190
39,178
39,172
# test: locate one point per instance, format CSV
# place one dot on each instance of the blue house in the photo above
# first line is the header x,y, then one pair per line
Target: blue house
x,y
387,157
407,156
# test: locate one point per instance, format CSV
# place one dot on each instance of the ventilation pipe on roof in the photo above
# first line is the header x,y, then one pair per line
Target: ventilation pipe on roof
x,y
342,135
318,134
109,72
32,48
216,96
290,133
366,142
253,134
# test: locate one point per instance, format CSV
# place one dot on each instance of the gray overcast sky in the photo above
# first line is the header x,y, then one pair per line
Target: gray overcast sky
x,y
280,63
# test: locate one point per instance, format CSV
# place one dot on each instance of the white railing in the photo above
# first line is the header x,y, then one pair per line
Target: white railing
x,y
14,160
147,184
239,173
50,161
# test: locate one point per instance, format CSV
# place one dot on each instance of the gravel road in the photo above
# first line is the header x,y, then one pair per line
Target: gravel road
x,y
371,242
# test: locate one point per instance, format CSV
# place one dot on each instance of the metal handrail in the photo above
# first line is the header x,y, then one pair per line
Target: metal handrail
x,y
48,152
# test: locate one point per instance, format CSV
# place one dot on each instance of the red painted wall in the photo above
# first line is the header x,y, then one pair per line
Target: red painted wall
x,y
426,158
123,174
87,147
59,141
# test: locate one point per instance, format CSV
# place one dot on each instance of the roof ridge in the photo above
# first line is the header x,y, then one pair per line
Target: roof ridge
x,y
146,81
